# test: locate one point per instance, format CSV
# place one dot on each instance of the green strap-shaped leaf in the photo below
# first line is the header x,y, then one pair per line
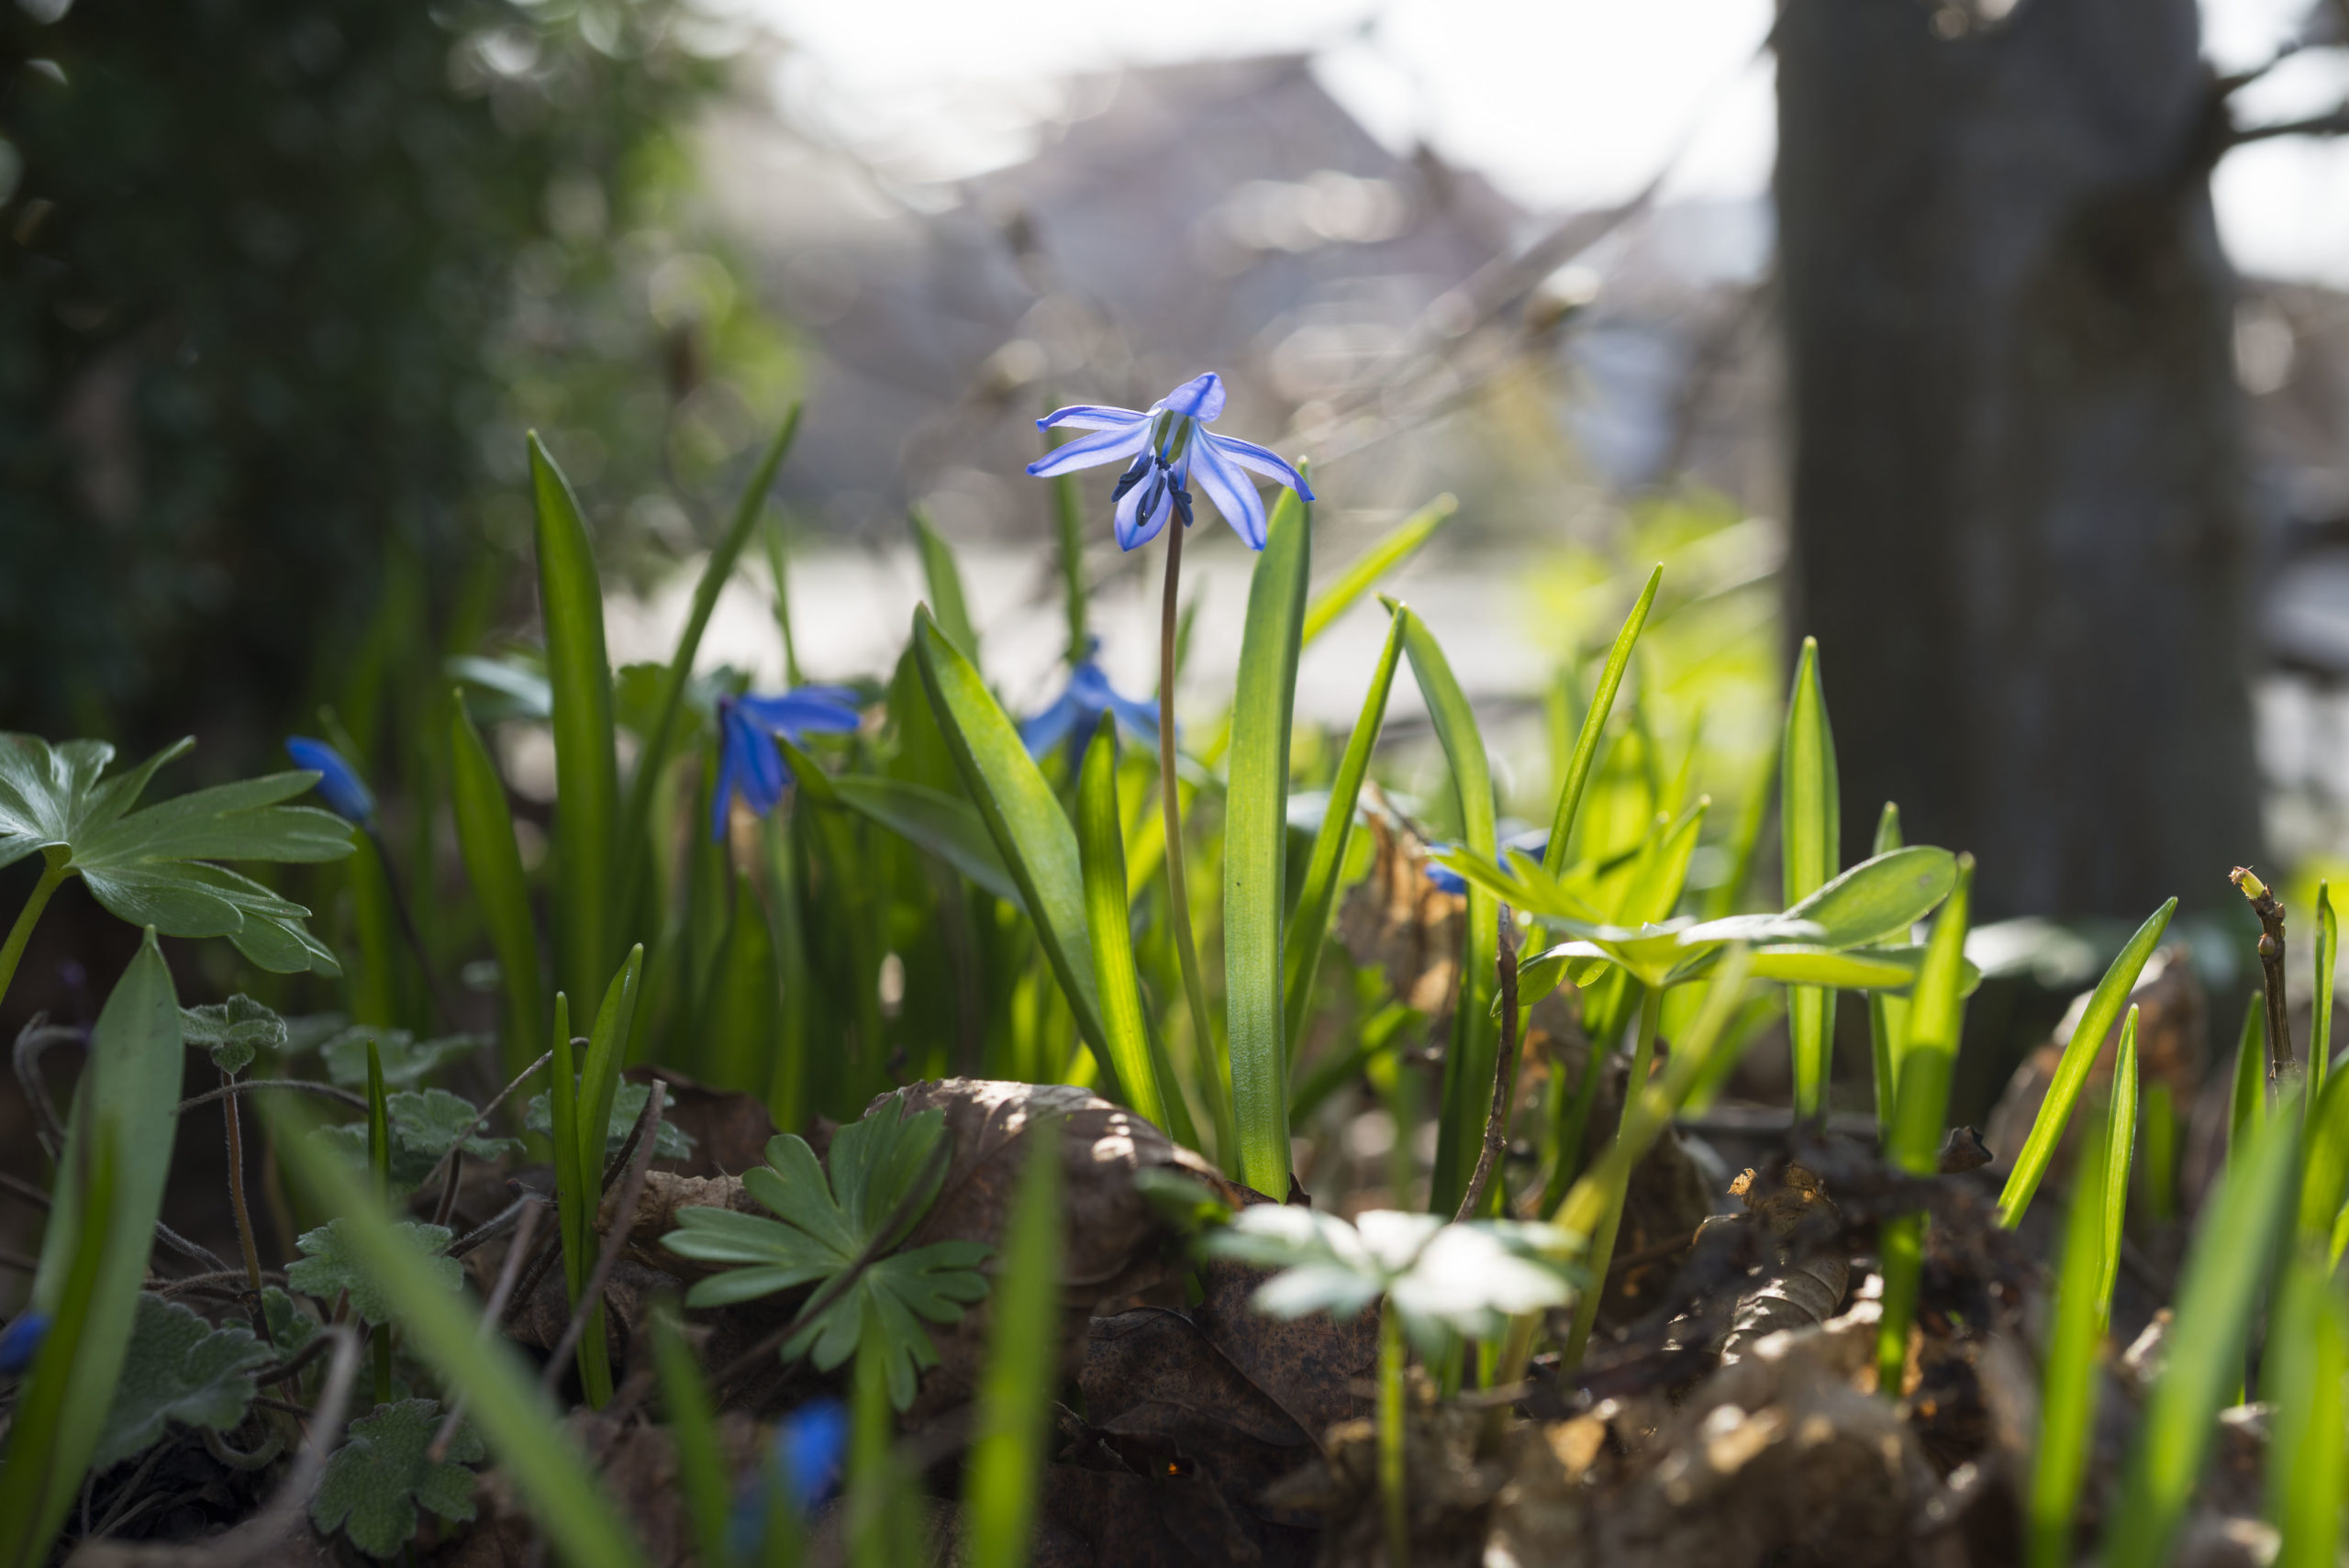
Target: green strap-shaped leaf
x,y
1468,1065
946,825
2096,1021
1920,1104
131,1087
1255,846
501,892
1594,725
2218,1299
2307,1363
1887,1013
1317,901
586,769
1810,821
523,1430
2067,1400
1364,572
599,1074
1014,1403
1880,899
2120,1146
1100,837
702,1471
1031,830
2247,1097
944,580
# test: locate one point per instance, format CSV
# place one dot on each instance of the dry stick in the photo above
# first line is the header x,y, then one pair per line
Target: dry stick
x,y
613,1243
194,1251
237,1196
25,1190
442,1210
2281,1063
495,1225
249,1086
220,1282
1504,1074
35,1038
501,1293
255,1540
487,1111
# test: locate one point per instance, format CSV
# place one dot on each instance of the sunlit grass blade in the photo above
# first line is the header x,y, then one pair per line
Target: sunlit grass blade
x,y
2308,1448
2104,1005
1920,1104
493,864
1365,572
1887,1013
2324,1174
2218,1297
587,767
1811,823
1317,900
1068,520
635,849
2327,954
943,579
1255,848
1476,1041
131,1087
2247,1091
1031,830
2067,1387
578,1190
776,541
1022,1377
693,1426
1594,725
503,1400
1100,835
2119,1145
946,825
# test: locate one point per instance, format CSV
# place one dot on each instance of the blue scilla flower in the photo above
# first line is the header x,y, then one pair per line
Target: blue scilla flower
x,y
1168,443
345,793
21,1340
1533,841
811,1445
1080,705
748,761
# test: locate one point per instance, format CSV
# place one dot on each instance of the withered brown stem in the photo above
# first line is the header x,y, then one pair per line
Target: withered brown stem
x,y
1504,1073
2283,1066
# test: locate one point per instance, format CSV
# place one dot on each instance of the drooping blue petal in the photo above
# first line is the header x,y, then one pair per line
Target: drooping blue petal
x,y
1136,714
1091,417
1143,511
21,1340
1049,727
1259,460
1107,445
340,785
829,710
810,1447
1233,493
1443,876
1200,398
748,765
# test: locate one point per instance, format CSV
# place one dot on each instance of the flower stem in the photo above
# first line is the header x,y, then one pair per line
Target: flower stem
x,y
1602,1240
1390,1437
53,873
230,1112
1178,897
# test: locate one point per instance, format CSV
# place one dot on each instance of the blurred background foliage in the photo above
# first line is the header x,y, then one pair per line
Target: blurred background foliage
x,y
282,284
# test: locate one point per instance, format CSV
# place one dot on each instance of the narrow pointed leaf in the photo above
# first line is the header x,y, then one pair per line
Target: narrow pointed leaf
x,y
1809,826
1015,1401
2067,1390
2119,1145
944,581
1594,725
1366,570
493,859
1100,836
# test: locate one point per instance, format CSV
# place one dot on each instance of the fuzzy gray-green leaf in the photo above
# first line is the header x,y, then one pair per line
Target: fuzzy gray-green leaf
x,y
179,1368
385,1472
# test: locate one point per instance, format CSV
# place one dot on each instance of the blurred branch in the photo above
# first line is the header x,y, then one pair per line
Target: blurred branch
x,y
2335,123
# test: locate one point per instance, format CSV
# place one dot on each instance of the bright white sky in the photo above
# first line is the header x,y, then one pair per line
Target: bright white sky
x,y
1563,102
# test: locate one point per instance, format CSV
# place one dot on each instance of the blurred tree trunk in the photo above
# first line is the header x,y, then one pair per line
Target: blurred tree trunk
x,y
2022,527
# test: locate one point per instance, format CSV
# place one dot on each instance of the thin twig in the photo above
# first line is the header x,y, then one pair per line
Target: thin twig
x,y
500,1294
442,1210
1504,1073
2283,1066
194,1251
611,1245
487,1112
228,1281
25,1190
245,1243
34,1039
494,1225
301,1086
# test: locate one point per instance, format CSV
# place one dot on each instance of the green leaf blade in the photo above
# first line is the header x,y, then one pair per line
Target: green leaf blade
x,y
1101,845
492,858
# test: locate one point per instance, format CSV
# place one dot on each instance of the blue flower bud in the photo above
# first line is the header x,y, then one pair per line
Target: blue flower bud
x,y
20,1341
340,785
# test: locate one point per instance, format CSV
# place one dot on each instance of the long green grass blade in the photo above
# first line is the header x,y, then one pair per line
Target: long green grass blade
x,y
635,847
599,1074
1887,1013
2104,1005
2067,1389
1101,846
1594,725
2119,1145
1365,571
2324,1175
2247,1093
1255,847
1920,1104
1745,840
1023,1377
944,580
1031,830
1475,1042
587,767
693,1426
523,1428
2308,1359
946,825
2327,954
2218,1298
501,892
1811,823
1317,900
131,1086
741,1018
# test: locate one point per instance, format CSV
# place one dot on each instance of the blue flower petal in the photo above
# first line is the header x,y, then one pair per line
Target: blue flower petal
x,y
1136,714
1233,493
1443,875
1110,445
1259,460
824,709
1091,417
1143,511
1049,727
340,785
809,1447
1201,399
20,1341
